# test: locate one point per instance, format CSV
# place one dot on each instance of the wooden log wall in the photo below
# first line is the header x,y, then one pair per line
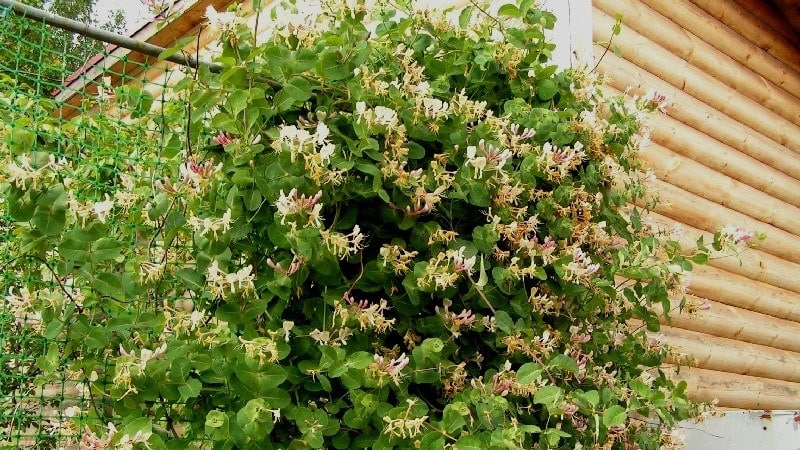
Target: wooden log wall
x,y
728,151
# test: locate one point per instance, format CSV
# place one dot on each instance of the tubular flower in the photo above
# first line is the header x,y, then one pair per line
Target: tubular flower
x,y
391,369
292,204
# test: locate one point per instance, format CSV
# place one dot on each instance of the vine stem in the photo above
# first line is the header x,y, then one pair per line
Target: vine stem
x,y
481,293
486,13
442,432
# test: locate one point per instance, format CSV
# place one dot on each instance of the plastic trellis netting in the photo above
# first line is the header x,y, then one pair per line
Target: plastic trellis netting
x,y
88,124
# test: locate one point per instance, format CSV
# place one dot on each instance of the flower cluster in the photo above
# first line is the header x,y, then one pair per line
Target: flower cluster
x,y
444,269
293,205
391,368
221,284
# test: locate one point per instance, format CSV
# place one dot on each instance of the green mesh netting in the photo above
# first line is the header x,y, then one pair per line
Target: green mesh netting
x,y
54,107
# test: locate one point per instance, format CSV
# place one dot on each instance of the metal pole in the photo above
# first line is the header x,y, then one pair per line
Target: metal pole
x,y
102,35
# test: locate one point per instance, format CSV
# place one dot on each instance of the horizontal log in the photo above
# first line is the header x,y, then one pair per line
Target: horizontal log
x,y
709,184
731,356
735,290
686,140
771,17
738,391
672,69
735,323
698,212
686,109
753,264
702,55
731,43
743,23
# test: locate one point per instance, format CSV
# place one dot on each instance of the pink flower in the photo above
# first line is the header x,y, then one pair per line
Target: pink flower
x,y
656,100
223,139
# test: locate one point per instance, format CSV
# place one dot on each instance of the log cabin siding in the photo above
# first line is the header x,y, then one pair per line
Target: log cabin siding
x,y
726,152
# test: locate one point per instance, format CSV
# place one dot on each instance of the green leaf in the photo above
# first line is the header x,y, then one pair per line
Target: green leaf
x,y
465,17
142,425
591,397
615,415
504,322
49,361
74,250
191,278
454,416
237,101
548,396
529,372
484,237
283,101
276,398
546,89
508,10
105,249
108,284
21,140
359,360
191,389
469,442
50,215
564,363
299,88
331,67
142,104
216,419
180,45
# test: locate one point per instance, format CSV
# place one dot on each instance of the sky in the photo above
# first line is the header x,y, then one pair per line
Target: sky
x,y
136,14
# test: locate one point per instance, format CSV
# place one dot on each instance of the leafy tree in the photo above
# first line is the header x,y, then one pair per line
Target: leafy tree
x,y
41,55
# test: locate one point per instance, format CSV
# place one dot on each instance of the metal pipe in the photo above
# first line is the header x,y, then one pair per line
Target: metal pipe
x,y
102,35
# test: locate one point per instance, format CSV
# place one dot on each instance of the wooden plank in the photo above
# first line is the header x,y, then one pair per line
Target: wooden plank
x,y
704,214
667,34
740,324
660,62
738,391
729,42
773,19
739,291
731,356
753,265
721,189
625,76
744,24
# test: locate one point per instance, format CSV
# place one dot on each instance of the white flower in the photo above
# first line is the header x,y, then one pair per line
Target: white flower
x,y
103,209
385,116
211,225
217,21
343,245
322,133
361,109
221,283
461,263
433,108
735,237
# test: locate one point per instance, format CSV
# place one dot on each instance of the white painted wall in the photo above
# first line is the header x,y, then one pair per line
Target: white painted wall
x,y
573,31
744,430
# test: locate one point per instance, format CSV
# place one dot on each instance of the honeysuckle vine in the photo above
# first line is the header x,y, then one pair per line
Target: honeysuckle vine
x,y
427,238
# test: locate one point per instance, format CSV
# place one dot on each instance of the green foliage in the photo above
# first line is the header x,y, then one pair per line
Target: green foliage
x,y
40,54
425,238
